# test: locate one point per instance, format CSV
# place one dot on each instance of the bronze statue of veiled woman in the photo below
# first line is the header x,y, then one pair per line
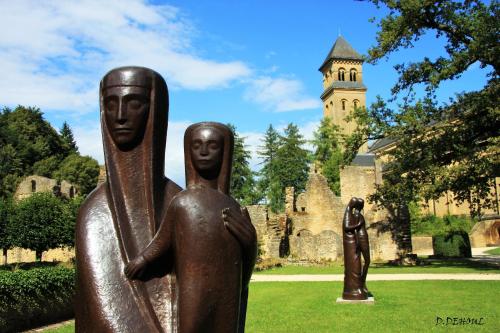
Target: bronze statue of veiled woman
x,y
121,216
210,236
355,239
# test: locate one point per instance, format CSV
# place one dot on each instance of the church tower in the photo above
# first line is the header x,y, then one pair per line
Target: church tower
x,y
343,87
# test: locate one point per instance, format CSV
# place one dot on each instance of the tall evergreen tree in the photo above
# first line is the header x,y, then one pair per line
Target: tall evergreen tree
x,y
242,177
68,139
328,153
292,164
267,152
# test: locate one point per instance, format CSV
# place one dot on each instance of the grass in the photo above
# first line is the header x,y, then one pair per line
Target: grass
x,y
428,266
401,306
495,251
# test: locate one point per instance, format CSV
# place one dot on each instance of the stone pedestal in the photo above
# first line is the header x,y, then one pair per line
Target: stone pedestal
x,y
369,301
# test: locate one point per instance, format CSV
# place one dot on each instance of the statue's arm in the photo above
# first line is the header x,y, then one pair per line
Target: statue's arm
x,y
241,227
156,249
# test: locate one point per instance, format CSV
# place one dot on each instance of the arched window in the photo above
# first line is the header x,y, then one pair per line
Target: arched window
x,y
341,74
352,74
356,103
33,185
343,104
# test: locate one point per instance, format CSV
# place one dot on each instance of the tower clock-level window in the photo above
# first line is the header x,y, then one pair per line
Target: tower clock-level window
x,y
341,74
356,103
352,75
343,104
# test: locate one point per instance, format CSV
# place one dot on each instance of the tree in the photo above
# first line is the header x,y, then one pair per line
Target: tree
x,y
292,164
6,232
452,147
82,171
328,153
268,184
68,139
242,177
42,222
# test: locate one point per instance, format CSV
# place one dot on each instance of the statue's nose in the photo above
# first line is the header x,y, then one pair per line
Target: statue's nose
x,y
121,117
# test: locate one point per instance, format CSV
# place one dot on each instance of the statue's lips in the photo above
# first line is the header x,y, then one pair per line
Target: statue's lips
x,y
122,130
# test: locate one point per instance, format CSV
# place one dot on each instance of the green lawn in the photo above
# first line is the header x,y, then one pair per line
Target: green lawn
x,y
495,251
400,306
429,266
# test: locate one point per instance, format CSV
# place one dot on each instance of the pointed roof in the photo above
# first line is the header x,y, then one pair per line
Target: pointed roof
x,y
341,50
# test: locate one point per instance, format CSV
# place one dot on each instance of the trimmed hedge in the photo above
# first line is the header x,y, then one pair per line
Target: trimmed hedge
x,y
35,297
453,244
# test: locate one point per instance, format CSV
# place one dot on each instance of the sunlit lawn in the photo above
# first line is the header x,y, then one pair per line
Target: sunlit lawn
x,y
495,251
428,266
400,306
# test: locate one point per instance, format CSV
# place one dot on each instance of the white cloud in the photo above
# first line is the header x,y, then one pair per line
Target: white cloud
x,y
280,94
53,53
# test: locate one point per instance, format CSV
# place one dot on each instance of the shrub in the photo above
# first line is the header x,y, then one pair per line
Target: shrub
x,y
35,297
453,244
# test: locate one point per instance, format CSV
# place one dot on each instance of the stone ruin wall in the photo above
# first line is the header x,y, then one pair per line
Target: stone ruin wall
x,y
311,226
35,184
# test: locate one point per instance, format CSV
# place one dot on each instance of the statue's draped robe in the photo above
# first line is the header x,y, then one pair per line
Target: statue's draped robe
x,y
353,284
118,220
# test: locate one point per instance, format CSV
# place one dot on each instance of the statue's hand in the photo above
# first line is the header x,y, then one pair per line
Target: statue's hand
x,y
241,227
135,268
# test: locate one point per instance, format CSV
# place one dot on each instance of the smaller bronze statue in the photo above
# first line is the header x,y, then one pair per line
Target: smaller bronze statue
x,y
356,243
211,237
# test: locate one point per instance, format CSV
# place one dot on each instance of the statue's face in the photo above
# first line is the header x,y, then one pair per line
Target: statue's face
x,y
207,147
126,112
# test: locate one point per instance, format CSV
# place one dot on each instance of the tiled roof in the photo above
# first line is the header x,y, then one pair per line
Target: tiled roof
x,y
352,85
342,50
366,160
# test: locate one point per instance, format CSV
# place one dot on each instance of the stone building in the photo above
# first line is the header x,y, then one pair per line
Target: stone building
x,y
34,184
311,227
343,87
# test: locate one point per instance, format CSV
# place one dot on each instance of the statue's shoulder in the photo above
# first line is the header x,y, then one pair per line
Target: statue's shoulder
x,y
171,189
96,201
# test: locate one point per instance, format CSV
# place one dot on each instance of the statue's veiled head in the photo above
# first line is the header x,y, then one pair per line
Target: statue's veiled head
x,y
127,94
208,149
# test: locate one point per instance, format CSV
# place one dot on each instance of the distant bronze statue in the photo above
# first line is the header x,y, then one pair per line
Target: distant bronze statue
x,y
211,238
356,243
121,216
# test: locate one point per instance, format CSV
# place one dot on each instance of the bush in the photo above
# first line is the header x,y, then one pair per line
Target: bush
x,y
430,225
453,244
35,297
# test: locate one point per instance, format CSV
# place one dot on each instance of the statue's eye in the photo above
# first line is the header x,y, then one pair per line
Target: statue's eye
x,y
214,145
195,145
135,105
111,105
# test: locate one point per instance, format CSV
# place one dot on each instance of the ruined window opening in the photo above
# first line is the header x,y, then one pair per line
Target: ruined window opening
x,y
71,192
33,185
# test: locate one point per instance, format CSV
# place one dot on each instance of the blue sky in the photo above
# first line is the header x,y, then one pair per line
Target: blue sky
x,y
250,63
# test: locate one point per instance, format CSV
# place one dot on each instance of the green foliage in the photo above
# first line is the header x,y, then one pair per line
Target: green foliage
x,y
31,298
328,153
29,145
450,148
453,244
43,222
242,177
80,170
292,160
68,140
6,232
431,225
285,163
268,184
